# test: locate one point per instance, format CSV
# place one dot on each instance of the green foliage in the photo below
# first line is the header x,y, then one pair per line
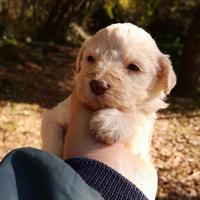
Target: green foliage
x,y
7,41
119,9
109,9
21,19
28,18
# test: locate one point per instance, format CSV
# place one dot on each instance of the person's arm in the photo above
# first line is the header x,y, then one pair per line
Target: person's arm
x,y
80,143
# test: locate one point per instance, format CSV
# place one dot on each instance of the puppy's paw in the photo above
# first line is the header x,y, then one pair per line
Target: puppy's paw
x,y
108,126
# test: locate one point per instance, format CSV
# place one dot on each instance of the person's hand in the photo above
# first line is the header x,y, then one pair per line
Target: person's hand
x,y
80,143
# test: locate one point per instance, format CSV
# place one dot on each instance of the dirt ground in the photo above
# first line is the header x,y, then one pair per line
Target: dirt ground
x,y
34,78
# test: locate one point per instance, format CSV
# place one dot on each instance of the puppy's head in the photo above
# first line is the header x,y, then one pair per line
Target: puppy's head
x,y
121,67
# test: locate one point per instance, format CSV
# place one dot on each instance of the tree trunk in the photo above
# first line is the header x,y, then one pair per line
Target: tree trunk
x,y
49,28
189,71
60,17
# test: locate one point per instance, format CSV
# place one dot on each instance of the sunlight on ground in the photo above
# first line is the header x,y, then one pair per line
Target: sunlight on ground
x,y
175,146
19,126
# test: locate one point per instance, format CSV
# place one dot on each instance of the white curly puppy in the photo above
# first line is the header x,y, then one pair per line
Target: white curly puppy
x,y
122,78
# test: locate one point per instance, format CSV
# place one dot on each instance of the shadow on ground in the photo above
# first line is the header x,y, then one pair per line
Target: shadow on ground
x,y
36,73
40,73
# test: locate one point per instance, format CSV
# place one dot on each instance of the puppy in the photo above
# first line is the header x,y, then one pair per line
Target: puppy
x,y
121,76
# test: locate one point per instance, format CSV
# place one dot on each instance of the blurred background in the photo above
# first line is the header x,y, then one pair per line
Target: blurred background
x,y
39,41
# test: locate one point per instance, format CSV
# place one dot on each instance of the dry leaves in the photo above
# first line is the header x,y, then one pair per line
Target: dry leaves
x,y
176,153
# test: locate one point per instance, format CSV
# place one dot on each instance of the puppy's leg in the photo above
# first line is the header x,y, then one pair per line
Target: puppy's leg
x,y
52,134
110,126
133,129
54,127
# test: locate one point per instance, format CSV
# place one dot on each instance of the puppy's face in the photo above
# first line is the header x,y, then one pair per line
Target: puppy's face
x,y
121,67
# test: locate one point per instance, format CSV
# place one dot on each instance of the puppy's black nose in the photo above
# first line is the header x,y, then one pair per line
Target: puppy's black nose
x,y
98,87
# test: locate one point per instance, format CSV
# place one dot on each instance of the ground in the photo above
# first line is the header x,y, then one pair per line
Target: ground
x,y
36,77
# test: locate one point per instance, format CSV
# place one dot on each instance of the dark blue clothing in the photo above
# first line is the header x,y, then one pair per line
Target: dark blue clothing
x,y
32,174
109,183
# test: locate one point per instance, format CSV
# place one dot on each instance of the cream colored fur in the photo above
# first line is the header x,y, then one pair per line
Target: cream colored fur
x,y
126,112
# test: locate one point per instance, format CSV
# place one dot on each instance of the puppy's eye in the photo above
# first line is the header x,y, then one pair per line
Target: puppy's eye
x,y
133,67
90,59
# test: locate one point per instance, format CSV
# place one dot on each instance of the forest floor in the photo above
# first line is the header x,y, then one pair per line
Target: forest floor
x,y
36,77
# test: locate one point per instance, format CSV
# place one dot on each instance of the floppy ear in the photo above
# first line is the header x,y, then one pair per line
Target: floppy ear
x,y
166,74
78,59
80,56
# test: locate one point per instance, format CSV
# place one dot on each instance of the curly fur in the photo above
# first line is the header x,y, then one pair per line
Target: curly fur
x,y
126,112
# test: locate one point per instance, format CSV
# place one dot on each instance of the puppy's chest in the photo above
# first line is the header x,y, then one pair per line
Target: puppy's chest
x,y
142,131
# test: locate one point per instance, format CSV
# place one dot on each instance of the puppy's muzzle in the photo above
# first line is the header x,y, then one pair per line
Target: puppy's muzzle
x,y
98,87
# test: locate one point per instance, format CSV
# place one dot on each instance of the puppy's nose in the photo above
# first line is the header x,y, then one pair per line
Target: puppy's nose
x,y
98,87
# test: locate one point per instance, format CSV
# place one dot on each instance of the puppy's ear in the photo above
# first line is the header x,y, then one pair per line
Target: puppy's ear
x,y
79,58
80,55
166,76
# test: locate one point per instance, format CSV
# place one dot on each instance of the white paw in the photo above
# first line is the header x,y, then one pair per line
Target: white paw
x,y
108,126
